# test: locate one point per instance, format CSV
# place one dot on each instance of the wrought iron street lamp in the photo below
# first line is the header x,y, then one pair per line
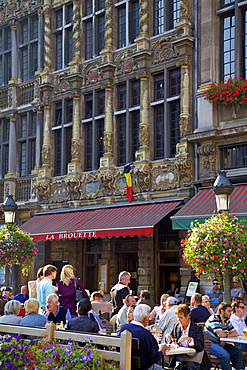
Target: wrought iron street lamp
x,y
9,208
222,189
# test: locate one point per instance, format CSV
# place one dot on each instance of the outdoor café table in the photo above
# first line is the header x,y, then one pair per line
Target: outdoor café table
x,y
180,351
238,339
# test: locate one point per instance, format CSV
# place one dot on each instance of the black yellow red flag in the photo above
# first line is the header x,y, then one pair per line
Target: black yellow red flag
x,y
129,189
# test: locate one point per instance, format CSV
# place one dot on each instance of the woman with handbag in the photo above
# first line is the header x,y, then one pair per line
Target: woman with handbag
x,y
68,288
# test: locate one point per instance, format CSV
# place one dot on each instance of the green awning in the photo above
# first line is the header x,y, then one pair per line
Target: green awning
x,y
203,206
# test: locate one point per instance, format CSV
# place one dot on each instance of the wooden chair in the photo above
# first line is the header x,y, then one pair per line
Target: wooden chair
x,y
215,361
114,323
201,324
156,331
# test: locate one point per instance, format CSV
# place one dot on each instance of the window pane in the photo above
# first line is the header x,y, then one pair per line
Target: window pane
x,y
121,139
32,154
100,139
175,82
58,152
134,21
89,7
100,4
23,159
34,28
34,51
69,45
88,146
58,118
23,132
89,106
159,17
135,119
159,135
24,32
174,12
24,64
135,93
69,13
159,87
69,113
100,101
59,18
174,129
68,138
59,51
121,27
89,39
121,96
228,47
7,39
33,125
101,33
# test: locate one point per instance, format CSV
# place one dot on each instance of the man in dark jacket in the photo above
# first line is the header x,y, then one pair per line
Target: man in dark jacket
x,y
120,291
199,313
148,352
187,334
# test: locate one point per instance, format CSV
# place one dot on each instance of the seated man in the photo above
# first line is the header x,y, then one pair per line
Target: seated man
x,y
54,312
219,326
99,305
186,334
148,351
237,320
145,298
122,313
23,296
169,318
199,313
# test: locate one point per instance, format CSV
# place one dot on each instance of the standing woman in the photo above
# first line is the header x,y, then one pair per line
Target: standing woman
x,y
32,285
238,288
66,288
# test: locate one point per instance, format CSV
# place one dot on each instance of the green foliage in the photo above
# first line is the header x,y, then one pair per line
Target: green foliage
x,y
16,248
219,245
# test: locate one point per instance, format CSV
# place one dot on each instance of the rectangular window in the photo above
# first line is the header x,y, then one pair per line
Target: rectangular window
x,y
27,142
94,27
63,36
166,108
94,129
62,136
4,146
5,55
134,20
128,95
228,46
121,27
166,14
233,156
29,47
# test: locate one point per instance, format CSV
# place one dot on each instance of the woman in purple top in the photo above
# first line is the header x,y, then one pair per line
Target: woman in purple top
x,y
66,288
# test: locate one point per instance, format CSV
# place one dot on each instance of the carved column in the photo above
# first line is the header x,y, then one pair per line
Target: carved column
x,y
46,75
75,165
75,63
185,116
144,128
142,40
45,171
107,52
108,160
185,16
14,65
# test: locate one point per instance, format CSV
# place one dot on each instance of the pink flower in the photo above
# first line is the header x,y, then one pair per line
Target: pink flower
x,y
223,269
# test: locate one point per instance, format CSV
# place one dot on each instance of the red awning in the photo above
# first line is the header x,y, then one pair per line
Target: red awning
x,y
98,223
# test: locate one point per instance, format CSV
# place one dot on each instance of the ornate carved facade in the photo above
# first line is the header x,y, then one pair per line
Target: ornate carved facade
x,y
95,99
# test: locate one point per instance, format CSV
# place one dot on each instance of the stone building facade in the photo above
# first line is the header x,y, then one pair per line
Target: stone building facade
x,y
86,87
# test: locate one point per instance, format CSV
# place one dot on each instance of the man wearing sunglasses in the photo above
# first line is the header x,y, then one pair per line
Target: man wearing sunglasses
x,y
237,320
215,295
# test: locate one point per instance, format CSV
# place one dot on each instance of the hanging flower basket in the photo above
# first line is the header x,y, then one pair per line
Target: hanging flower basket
x,y
233,91
16,248
219,245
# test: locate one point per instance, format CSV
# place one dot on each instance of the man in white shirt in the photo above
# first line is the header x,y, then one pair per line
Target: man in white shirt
x,y
122,313
237,320
45,286
169,318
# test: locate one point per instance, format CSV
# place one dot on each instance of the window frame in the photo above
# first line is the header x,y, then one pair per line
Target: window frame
x,y
63,36
62,135
6,56
93,123
94,42
164,100
128,33
169,18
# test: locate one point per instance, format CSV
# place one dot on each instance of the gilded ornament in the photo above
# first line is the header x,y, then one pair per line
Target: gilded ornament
x,y
108,22
108,142
184,126
144,16
75,149
76,30
184,9
144,135
163,49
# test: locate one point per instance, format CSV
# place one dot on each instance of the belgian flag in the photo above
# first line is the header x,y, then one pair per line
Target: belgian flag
x,y
129,189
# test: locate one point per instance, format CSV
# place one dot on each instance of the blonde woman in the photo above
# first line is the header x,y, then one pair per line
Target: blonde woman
x,y
32,317
238,289
66,288
206,303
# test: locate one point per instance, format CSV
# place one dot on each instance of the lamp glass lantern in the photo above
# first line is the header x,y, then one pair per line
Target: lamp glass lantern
x,y
222,189
9,208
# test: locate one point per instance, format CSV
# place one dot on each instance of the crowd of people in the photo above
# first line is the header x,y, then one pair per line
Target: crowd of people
x,y
44,302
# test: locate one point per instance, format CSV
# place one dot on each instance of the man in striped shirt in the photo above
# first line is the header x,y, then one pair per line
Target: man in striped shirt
x,y
219,326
